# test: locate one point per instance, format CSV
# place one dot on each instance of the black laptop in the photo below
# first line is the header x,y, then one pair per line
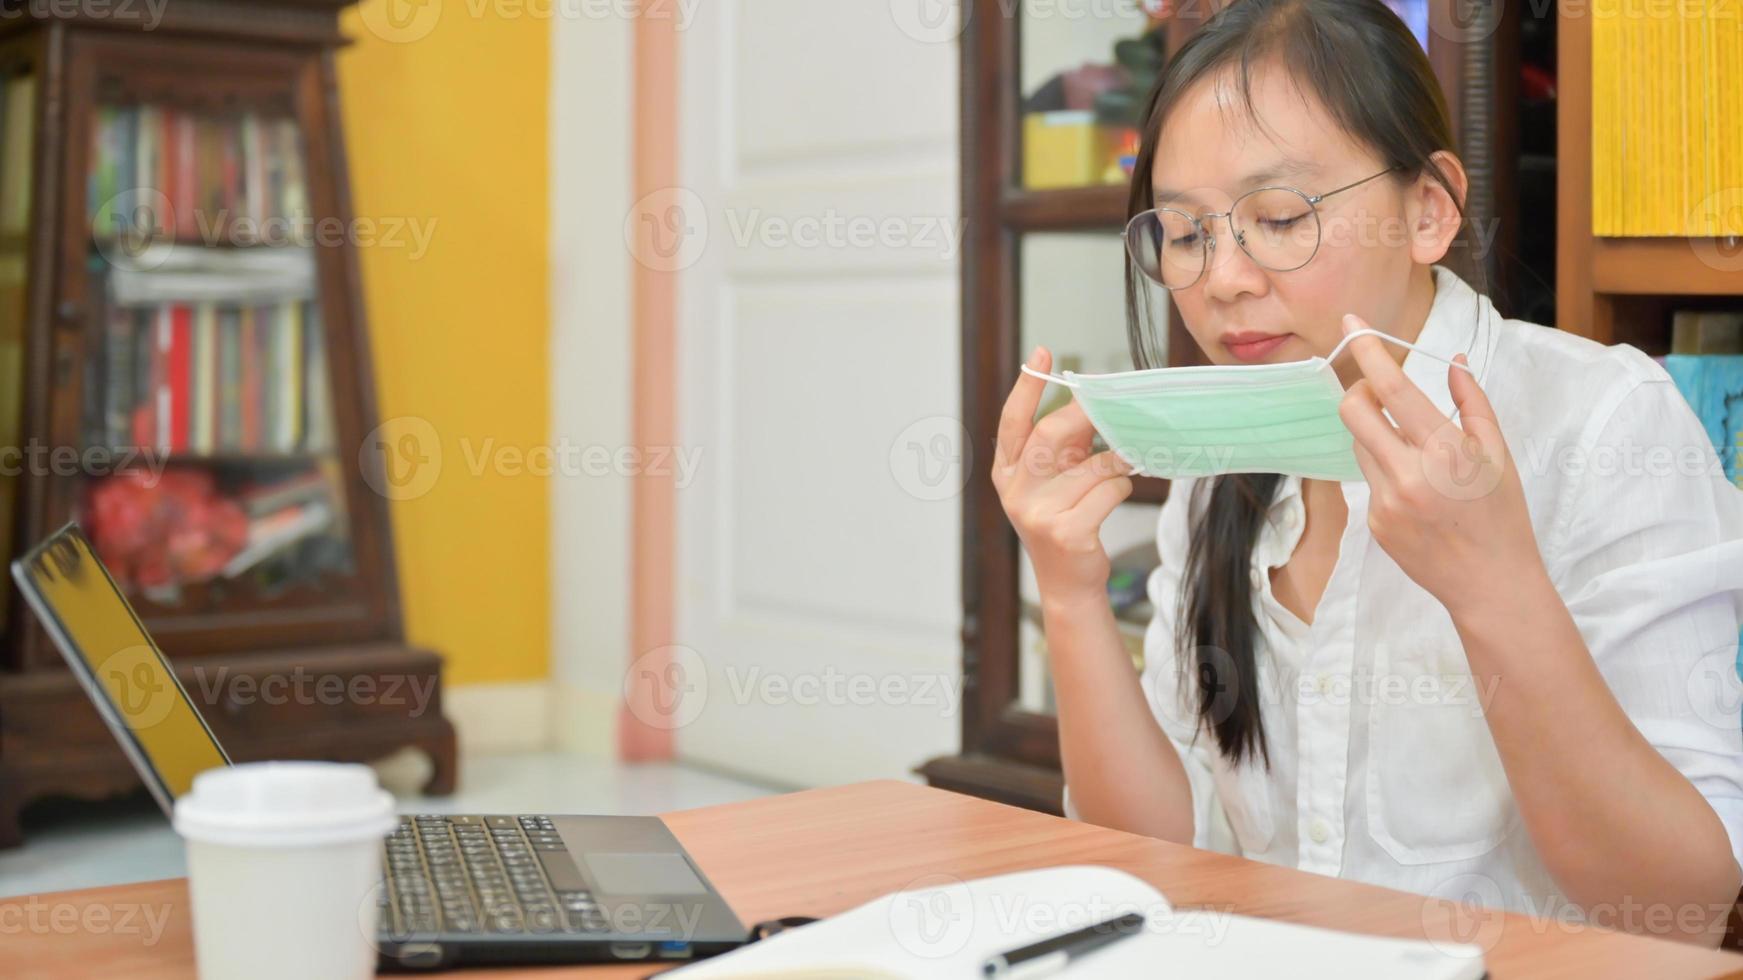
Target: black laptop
x,y
506,888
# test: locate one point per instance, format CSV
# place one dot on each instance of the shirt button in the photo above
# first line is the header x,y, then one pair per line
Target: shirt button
x,y
1323,682
1319,832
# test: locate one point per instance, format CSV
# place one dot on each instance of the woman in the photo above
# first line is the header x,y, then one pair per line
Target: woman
x,y
1498,666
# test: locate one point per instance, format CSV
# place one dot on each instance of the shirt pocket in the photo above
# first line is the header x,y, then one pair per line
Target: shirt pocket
x,y
1436,789
1245,792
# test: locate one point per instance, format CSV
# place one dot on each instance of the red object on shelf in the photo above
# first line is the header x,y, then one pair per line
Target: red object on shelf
x,y
172,528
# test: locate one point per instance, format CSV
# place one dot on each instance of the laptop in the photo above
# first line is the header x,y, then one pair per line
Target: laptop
x,y
468,889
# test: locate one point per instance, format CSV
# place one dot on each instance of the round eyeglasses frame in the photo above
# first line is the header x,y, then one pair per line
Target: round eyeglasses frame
x,y
1201,226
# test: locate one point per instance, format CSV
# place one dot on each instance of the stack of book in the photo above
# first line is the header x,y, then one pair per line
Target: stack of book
x,y
205,378
223,178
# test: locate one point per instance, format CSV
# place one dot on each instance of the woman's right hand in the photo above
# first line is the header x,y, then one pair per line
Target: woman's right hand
x,y
1055,492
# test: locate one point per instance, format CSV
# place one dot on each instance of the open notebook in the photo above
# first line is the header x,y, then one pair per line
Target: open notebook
x,y
944,927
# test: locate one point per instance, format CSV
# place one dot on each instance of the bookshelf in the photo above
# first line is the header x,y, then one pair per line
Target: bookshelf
x,y
1614,289
181,326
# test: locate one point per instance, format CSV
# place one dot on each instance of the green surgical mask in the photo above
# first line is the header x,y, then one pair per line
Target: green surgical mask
x,y
1211,419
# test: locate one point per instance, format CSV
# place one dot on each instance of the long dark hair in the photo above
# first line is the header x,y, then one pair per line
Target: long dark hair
x,y
1368,70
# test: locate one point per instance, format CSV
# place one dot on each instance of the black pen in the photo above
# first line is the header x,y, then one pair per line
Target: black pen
x,y
1050,955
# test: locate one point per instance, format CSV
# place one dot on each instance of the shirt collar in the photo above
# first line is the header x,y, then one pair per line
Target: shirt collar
x,y
1460,321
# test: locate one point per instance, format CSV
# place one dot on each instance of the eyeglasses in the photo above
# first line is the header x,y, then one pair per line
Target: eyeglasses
x,y
1278,228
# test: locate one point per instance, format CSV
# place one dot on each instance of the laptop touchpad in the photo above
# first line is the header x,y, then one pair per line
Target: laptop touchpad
x,y
655,873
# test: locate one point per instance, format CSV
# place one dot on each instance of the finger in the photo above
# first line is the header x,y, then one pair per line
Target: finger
x,y
1066,490
1360,411
1372,469
1411,409
1472,401
1017,418
1059,441
1100,501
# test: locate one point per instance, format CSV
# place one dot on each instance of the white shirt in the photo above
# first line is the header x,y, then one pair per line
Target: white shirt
x,y
1382,765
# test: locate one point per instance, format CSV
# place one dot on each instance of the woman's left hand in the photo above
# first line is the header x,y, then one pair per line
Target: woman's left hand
x,y
1444,499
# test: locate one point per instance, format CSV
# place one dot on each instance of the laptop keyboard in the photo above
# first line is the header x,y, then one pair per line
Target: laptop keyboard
x,y
483,875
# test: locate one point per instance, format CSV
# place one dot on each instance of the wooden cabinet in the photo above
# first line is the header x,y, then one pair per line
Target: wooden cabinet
x,y
185,356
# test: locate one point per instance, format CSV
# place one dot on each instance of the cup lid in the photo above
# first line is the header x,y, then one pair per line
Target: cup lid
x,y
285,804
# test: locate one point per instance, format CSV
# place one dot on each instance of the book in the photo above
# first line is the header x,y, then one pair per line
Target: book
x,y
1706,332
223,175
951,927
1713,385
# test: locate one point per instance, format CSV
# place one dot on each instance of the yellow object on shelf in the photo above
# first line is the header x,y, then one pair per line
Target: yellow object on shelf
x,y
1066,148
1667,119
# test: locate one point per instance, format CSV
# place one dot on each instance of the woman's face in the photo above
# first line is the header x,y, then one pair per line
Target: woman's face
x,y
1210,152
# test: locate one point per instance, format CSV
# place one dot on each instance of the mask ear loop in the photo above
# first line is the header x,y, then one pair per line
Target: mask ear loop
x,y
1044,376
1335,351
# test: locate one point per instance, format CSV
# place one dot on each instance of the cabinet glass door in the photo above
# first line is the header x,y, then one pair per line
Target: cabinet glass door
x,y
212,479
1084,69
1071,294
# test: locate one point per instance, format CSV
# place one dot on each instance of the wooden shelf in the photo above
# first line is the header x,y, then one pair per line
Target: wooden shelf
x,y
1066,209
1654,266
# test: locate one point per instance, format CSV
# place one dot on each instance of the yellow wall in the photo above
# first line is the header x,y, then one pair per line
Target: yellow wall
x,y
445,117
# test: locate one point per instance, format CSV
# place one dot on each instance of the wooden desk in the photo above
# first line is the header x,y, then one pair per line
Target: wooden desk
x,y
824,851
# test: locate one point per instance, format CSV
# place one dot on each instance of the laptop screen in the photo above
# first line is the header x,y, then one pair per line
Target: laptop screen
x,y
122,669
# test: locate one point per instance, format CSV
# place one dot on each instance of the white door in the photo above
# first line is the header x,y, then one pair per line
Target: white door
x,y
819,537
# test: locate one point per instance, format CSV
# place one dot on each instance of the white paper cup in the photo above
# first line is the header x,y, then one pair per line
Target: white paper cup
x,y
281,856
